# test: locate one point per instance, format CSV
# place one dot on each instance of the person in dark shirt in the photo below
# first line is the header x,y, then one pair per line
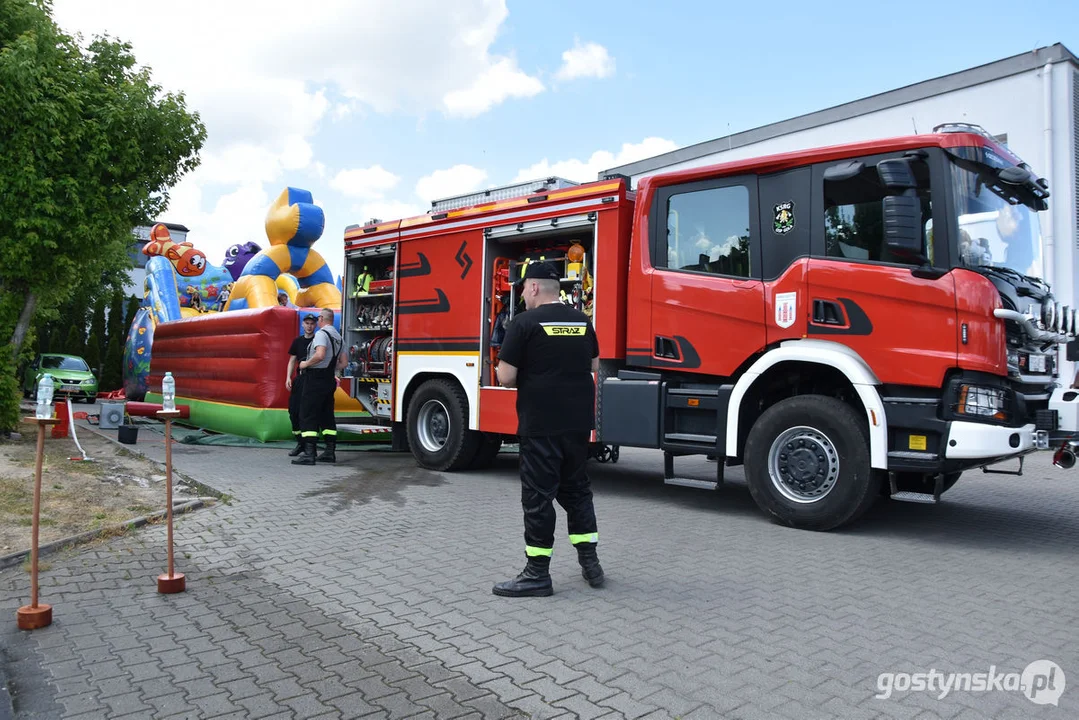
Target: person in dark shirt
x,y
549,354
298,351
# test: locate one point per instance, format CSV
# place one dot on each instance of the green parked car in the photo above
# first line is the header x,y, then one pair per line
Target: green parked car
x,y
71,376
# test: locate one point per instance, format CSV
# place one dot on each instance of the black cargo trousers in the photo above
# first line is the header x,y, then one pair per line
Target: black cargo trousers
x,y
316,408
552,469
295,402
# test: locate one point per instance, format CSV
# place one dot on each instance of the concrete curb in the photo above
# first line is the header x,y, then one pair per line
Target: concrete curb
x,y
55,546
206,492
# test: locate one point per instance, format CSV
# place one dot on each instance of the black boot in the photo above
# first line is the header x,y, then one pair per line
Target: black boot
x,y
589,560
298,449
328,454
308,457
534,581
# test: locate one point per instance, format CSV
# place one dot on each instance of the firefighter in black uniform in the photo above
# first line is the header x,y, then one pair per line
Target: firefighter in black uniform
x,y
549,354
297,352
324,360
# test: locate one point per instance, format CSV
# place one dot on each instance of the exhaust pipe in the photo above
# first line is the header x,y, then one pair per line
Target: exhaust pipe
x,y
1064,458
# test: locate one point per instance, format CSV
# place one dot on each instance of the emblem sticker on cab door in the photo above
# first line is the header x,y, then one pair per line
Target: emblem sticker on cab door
x,y
784,218
786,308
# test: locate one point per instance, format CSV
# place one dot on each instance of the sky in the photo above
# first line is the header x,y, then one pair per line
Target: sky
x,y
379,107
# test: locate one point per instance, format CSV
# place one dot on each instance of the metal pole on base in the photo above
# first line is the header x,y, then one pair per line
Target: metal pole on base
x,y
171,582
35,615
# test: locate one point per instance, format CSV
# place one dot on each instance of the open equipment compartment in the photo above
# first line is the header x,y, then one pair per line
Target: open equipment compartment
x,y
368,325
567,242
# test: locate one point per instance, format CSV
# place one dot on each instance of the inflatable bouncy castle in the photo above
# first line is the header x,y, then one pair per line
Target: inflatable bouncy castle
x,y
224,331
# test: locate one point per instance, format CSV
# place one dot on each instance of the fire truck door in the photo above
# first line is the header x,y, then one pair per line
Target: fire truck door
x,y
707,293
900,318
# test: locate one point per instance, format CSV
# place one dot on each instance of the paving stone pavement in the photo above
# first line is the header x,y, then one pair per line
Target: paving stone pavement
x,y
363,590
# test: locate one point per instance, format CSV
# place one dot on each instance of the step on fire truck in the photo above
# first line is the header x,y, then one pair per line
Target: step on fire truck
x,y
846,322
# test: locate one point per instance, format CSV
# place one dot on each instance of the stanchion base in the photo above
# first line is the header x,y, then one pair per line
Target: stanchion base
x,y
32,618
174,584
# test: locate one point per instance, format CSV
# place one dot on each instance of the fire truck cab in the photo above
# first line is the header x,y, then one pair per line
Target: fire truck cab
x,y
846,322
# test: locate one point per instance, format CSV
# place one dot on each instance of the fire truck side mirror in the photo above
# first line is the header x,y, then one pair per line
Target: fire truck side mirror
x,y
843,171
903,226
897,174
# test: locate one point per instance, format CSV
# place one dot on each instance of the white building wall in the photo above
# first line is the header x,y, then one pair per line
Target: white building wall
x,y
1036,112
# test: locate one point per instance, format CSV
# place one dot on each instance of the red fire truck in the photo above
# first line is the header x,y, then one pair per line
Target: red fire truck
x,y
846,322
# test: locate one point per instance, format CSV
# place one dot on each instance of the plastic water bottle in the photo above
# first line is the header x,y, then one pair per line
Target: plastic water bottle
x,y
44,397
168,393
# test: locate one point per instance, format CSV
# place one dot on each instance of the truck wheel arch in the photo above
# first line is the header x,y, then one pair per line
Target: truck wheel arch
x,y
827,354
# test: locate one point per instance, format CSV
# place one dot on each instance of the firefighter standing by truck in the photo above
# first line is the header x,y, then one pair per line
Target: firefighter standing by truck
x,y
549,354
296,352
325,359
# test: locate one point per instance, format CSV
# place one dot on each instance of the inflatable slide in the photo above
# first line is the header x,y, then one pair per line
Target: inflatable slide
x,y
224,331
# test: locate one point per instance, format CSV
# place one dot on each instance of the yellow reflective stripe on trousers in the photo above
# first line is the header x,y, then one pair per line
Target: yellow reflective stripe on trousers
x,y
309,434
538,551
329,432
585,537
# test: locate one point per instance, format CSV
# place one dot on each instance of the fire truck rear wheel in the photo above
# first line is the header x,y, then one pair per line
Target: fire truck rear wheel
x,y
438,433
807,463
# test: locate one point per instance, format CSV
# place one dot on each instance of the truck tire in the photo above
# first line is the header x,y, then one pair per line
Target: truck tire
x,y
438,433
807,463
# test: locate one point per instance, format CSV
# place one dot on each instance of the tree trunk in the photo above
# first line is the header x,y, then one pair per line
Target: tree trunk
x,y
23,325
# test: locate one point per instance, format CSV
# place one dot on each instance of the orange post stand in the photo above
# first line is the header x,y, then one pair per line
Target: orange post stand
x,y
36,615
171,582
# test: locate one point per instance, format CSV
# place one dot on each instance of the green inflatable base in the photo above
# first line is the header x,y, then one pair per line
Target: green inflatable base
x,y
262,424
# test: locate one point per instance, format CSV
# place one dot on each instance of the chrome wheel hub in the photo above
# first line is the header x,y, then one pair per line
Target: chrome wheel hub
x,y
803,464
433,426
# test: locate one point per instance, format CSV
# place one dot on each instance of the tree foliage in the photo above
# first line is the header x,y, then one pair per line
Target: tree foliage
x,y
91,148
117,329
92,355
129,317
112,372
97,327
74,344
10,393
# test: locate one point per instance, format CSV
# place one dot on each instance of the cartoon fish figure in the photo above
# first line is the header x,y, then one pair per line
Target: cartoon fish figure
x,y
237,257
188,261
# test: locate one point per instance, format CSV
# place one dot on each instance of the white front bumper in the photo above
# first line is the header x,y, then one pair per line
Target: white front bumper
x,y
967,440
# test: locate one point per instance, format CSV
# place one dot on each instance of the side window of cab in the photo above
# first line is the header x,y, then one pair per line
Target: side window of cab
x,y
857,196
705,227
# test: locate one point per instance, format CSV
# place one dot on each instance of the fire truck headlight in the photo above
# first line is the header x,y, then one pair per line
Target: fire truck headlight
x,y
980,401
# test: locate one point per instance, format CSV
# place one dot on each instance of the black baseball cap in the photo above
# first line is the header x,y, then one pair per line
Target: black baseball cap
x,y
310,316
539,271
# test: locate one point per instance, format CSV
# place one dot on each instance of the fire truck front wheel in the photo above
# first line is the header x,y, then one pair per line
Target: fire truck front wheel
x,y
438,431
807,463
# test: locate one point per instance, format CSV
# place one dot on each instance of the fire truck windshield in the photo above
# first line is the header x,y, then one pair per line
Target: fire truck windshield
x,y
992,230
